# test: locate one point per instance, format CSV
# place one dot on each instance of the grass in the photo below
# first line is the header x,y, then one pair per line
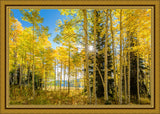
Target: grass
x,y
55,97
24,96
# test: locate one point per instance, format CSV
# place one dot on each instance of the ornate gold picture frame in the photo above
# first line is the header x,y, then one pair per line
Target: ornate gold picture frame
x,y
5,107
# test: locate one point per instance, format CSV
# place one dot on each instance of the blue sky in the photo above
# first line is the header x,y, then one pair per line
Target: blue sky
x,y
50,17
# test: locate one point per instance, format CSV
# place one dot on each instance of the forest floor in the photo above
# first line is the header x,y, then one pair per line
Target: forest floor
x,y
24,96
55,97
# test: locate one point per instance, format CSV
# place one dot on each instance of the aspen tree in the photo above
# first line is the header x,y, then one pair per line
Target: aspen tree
x,y
120,87
55,74
138,92
106,60
138,95
86,52
64,75
128,69
114,71
69,62
94,66
124,63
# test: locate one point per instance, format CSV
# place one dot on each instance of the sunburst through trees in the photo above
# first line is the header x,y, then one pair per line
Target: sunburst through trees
x,y
101,57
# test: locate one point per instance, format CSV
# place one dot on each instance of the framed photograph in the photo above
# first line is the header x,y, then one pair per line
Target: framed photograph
x,y
79,56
